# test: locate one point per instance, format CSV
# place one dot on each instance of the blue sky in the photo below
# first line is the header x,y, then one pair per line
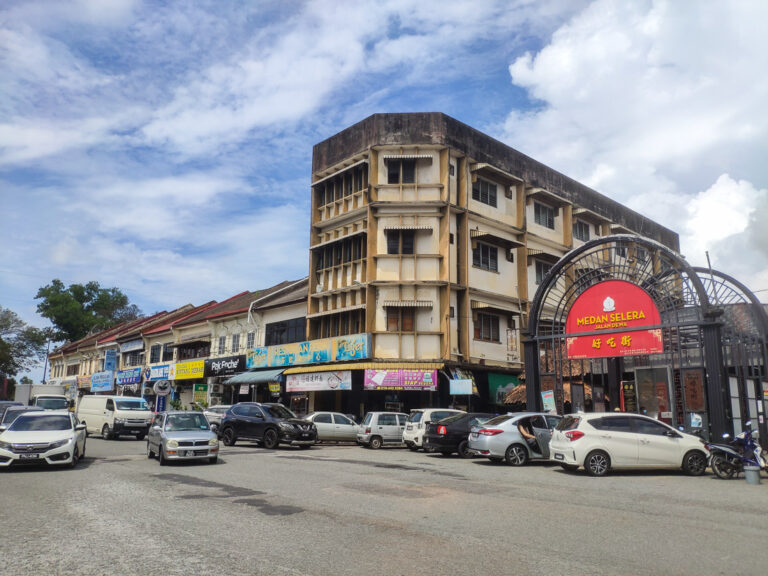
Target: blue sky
x,y
165,147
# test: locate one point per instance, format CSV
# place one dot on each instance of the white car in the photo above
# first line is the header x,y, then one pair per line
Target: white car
x,y
604,441
46,437
334,427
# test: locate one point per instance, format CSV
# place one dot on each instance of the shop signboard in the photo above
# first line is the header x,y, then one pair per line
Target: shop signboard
x,y
274,388
400,379
338,349
110,360
102,381
130,376
84,381
548,401
132,346
629,396
189,370
200,393
617,312
693,385
499,385
462,374
316,381
226,366
160,403
460,387
160,372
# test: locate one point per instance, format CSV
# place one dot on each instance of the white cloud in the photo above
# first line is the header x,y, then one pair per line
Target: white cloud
x,y
653,104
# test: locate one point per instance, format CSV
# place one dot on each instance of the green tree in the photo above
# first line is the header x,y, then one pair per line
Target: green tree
x,y
21,346
80,308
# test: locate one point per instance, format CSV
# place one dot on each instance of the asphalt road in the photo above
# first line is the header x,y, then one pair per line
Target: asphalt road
x,y
337,510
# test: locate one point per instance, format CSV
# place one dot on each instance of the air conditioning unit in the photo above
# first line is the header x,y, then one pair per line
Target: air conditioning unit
x,y
148,392
216,389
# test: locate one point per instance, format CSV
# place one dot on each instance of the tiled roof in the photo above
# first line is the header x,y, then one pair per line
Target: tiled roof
x,y
167,326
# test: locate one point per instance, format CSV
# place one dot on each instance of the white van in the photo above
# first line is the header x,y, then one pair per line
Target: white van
x,y
111,416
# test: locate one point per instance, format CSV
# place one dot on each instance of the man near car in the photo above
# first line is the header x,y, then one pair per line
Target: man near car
x,y
527,434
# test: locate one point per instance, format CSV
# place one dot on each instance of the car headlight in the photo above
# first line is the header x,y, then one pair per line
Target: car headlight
x,y
213,442
172,444
285,426
5,445
60,443
119,420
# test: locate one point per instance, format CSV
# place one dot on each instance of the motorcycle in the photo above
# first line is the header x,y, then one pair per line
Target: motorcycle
x,y
727,460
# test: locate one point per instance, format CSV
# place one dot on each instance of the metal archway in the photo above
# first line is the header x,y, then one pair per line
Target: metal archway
x,y
688,323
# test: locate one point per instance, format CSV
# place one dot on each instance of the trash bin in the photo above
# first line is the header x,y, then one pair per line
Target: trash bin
x,y
752,474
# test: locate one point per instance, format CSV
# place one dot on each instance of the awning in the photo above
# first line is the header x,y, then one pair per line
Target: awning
x,y
493,238
551,196
479,305
324,178
407,304
542,255
482,166
255,376
366,366
407,156
590,215
339,239
407,227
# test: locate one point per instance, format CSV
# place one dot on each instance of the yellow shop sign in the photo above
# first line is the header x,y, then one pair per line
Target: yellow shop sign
x,y
188,370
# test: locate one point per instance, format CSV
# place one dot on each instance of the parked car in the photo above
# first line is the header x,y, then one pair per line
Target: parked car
x,y
42,437
215,414
451,434
5,404
112,416
13,412
266,423
500,438
606,441
413,435
52,402
333,427
379,428
182,435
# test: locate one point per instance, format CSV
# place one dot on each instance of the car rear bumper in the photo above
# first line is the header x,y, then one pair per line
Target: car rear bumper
x,y
563,453
485,446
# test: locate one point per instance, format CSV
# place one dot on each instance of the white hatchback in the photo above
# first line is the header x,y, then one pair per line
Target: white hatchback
x,y
603,441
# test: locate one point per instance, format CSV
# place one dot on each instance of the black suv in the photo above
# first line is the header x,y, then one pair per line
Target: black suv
x,y
269,424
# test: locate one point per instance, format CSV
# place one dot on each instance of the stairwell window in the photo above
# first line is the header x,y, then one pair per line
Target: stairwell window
x,y
486,257
400,241
235,343
222,344
544,215
250,339
485,192
401,171
542,269
487,327
581,230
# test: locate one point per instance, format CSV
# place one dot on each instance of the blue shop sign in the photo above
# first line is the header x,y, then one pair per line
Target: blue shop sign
x,y
110,360
131,376
161,372
102,381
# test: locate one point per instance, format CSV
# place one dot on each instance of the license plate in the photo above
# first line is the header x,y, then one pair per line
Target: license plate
x,y
559,457
28,456
190,453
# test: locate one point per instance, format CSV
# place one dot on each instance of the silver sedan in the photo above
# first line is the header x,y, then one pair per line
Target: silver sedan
x,y
182,436
333,427
514,438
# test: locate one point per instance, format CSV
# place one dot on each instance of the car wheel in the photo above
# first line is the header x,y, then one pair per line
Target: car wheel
x,y
213,459
375,442
694,463
463,449
161,456
229,437
413,448
105,432
569,467
516,455
75,457
597,463
150,454
140,437
271,439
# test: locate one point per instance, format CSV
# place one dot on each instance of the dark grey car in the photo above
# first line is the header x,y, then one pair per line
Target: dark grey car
x,y
182,436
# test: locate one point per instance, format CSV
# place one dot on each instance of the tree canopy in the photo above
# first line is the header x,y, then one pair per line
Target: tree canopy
x,y
21,346
77,310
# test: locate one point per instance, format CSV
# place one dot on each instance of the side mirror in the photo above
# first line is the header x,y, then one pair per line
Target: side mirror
x,y
672,434
80,427
726,435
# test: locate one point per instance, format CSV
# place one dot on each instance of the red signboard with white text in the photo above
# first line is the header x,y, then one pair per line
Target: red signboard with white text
x,y
616,311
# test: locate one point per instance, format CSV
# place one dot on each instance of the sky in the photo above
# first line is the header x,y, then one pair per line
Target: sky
x,y
165,148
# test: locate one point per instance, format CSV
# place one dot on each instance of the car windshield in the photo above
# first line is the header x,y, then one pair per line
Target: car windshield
x,y
452,418
52,403
186,422
415,416
136,404
29,422
11,415
498,420
278,411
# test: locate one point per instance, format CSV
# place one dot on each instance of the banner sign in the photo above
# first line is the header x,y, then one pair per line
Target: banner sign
x,y
200,393
274,388
339,349
400,379
84,381
618,306
160,403
499,385
226,366
460,387
189,370
131,376
341,380
102,381
548,401
160,372
132,346
110,360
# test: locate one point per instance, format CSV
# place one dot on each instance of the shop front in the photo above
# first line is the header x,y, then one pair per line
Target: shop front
x,y
185,376
624,323
129,382
255,386
217,372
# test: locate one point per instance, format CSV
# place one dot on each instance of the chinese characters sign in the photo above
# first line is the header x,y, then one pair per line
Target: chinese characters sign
x,y
400,379
616,311
341,380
